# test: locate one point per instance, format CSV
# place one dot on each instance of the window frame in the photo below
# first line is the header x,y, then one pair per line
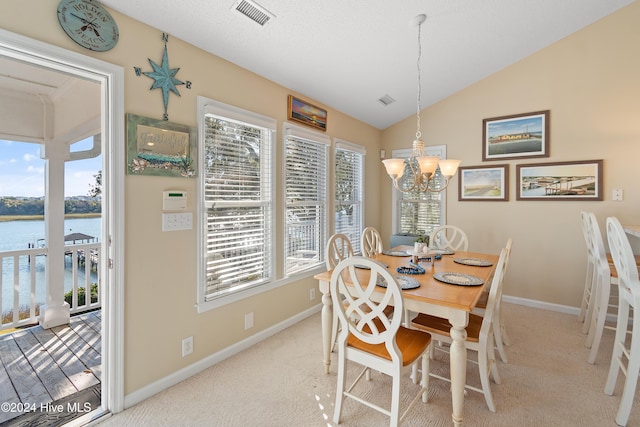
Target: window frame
x,y
360,150
303,133
396,196
210,106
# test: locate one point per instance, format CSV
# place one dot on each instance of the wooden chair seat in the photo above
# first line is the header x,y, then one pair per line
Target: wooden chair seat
x,y
411,342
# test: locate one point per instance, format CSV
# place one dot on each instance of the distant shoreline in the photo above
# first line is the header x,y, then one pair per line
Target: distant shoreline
x,y
4,218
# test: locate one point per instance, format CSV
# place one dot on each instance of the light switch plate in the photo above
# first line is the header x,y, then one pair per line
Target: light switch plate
x,y
177,221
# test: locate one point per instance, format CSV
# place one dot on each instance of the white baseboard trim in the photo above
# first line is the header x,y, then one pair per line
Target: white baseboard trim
x,y
541,304
156,387
146,392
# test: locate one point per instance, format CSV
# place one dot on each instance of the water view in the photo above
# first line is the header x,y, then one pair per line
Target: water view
x,y
19,235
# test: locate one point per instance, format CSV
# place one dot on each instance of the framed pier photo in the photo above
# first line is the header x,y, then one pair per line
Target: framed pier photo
x,y
581,180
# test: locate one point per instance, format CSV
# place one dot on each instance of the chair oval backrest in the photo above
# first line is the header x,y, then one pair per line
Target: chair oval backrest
x,y
622,255
338,248
449,237
352,293
371,242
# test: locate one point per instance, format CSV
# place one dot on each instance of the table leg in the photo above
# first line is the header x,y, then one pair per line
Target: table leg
x,y
458,363
327,320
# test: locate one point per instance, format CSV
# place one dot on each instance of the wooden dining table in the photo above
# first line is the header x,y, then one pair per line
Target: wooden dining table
x,y
452,302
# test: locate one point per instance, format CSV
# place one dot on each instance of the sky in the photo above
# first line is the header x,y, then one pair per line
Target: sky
x,y
22,170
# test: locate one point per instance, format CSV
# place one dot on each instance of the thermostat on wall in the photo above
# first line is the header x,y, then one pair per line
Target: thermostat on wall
x,y
174,200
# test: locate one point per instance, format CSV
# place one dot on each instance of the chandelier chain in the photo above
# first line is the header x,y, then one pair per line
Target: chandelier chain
x,y
420,172
418,130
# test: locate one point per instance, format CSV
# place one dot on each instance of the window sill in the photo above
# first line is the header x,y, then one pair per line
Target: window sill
x,y
203,307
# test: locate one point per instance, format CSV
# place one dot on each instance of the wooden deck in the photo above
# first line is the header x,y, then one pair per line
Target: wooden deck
x,y
40,366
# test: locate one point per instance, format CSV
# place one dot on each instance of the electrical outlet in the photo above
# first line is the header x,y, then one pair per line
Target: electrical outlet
x,y
312,294
248,321
187,346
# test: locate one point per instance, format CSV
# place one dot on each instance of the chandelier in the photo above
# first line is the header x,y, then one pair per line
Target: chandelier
x,y
422,166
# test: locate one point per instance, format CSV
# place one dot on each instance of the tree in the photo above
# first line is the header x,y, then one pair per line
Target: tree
x,y
95,190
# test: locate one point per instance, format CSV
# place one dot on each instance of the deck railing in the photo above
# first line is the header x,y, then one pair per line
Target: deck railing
x,y
23,272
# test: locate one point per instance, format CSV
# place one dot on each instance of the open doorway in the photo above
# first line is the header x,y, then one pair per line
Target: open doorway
x,y
106,132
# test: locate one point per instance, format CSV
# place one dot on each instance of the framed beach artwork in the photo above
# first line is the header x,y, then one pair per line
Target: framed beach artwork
x,y
516,137
483,183
580,180
307,114
160,148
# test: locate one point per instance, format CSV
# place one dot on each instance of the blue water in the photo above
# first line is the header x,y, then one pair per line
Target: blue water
x,y
18,235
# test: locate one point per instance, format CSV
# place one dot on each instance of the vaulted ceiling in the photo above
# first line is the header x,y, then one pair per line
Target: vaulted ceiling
x,y
348,54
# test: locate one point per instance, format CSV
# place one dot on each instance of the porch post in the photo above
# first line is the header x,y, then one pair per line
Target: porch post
x,y
56,311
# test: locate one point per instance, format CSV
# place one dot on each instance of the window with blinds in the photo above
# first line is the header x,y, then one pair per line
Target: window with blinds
x,y
305,199
238,201
349,180
420,213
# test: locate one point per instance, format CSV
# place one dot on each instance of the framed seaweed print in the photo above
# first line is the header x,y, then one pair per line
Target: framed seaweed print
x,y
307,114
581,180
485,183
516,137
160,148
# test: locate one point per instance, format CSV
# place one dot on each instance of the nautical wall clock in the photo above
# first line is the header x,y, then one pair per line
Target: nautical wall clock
x,y
164,77
89,24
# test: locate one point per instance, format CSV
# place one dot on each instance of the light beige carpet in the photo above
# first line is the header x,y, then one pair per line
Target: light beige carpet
x,y
281,382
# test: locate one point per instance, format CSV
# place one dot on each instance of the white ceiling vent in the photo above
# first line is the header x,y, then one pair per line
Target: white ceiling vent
x,y
253,11
386,100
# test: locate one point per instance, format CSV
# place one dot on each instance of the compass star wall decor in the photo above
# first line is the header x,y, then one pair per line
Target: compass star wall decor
x,y
164,77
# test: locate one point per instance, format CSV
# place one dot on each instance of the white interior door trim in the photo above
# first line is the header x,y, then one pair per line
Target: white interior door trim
x,y
111,78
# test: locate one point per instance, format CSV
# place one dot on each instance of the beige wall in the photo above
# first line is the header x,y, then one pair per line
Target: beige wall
x,y
591,83
160,272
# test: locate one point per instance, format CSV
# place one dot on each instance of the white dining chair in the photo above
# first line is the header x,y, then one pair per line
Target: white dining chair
x,y
585,306
449,237
372,339
338,248
371,242
500,328
625,358
603,277
480,334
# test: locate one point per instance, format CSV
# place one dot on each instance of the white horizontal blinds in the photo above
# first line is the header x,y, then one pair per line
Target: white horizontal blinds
x,y
349,176
238,200
420,212
305,200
